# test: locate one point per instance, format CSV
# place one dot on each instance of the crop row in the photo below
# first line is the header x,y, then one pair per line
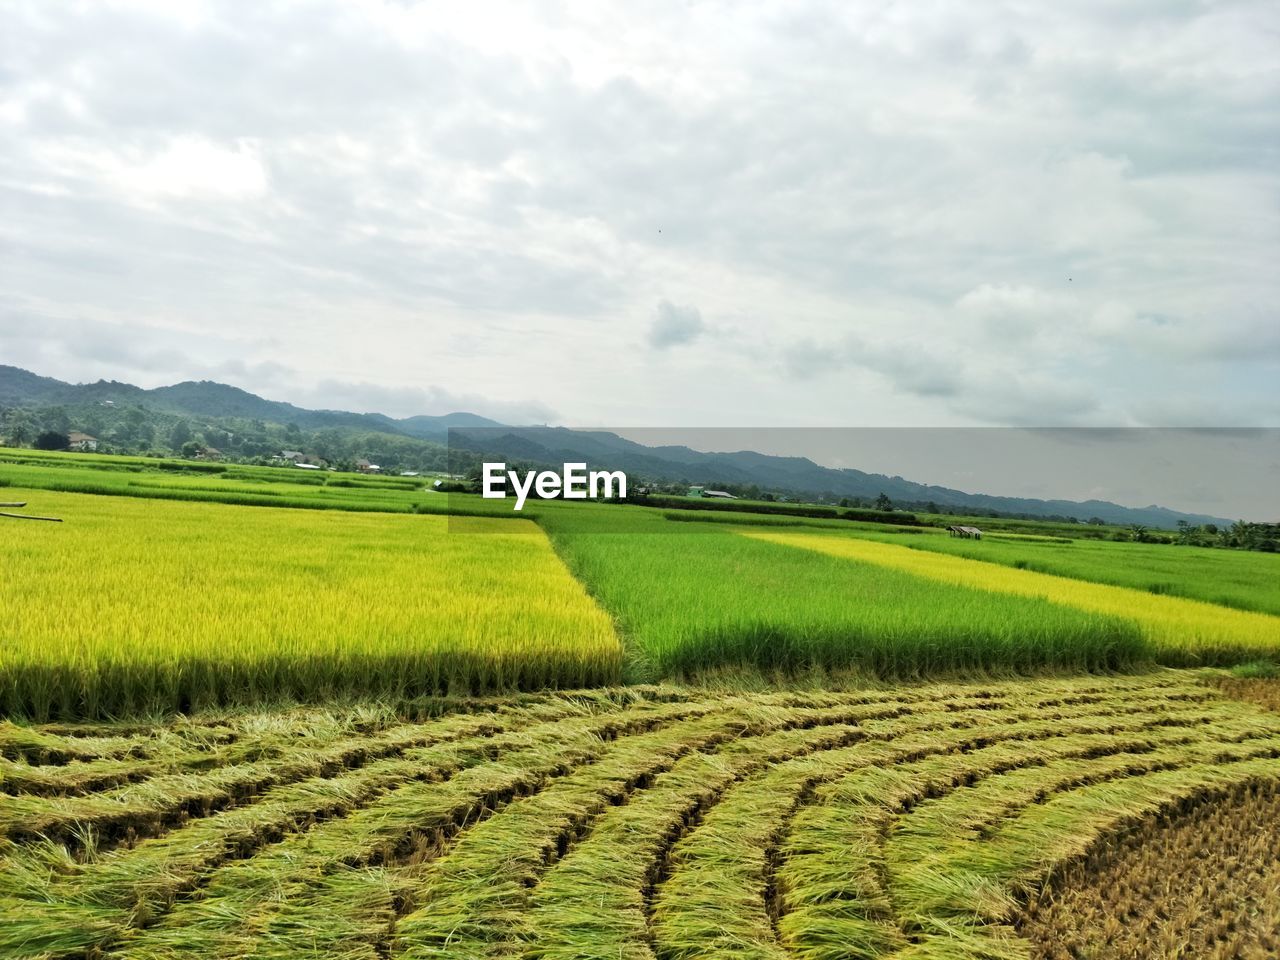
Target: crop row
x,y
905,823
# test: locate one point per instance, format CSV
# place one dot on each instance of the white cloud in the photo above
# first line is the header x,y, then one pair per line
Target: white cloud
x,y
906,214
194,166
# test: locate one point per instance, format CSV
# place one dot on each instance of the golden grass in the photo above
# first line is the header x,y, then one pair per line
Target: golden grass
x,y
134,605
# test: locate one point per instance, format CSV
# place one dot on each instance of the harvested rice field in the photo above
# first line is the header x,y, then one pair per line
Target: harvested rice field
x,y
966,820
1198,883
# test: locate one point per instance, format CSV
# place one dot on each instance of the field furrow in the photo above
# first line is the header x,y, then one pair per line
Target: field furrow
x,y
143,881
842,879
413,821
721,890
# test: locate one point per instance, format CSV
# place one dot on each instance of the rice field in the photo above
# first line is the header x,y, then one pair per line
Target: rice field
x,y
134,606
366,730
1192,883
1181,632
1234,578
241,485
655,823
137,606
705,602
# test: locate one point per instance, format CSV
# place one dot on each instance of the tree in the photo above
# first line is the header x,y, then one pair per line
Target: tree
x,y
20,429
1138,533
56,420
884,503
179,435
52,440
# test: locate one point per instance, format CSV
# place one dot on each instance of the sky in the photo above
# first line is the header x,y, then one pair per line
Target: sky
x,y
794,213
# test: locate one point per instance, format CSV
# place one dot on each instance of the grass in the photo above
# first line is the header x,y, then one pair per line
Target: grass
x,y
135,607
637,823
713,600
1181,632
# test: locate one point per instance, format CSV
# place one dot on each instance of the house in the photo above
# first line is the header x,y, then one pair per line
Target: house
x,y
82,442
714,494
308,466
364,466
208,453
968,533
297,456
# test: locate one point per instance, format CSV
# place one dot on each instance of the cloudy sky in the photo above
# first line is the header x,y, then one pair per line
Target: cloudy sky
x,y
659,213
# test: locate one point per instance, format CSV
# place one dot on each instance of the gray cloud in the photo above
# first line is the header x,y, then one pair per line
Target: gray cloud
x,y
673,326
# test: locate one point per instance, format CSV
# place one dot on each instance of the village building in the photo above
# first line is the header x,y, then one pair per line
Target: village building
x,y
967,533
713,494
82,442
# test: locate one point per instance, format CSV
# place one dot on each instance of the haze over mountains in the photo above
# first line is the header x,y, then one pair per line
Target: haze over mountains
x,y
557,445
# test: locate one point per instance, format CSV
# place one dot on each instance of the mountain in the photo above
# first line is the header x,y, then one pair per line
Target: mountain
x,y
207,398
600,449
558,445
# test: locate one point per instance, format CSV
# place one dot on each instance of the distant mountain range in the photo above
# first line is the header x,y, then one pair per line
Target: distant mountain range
x,y
601,449
207,398
557,445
